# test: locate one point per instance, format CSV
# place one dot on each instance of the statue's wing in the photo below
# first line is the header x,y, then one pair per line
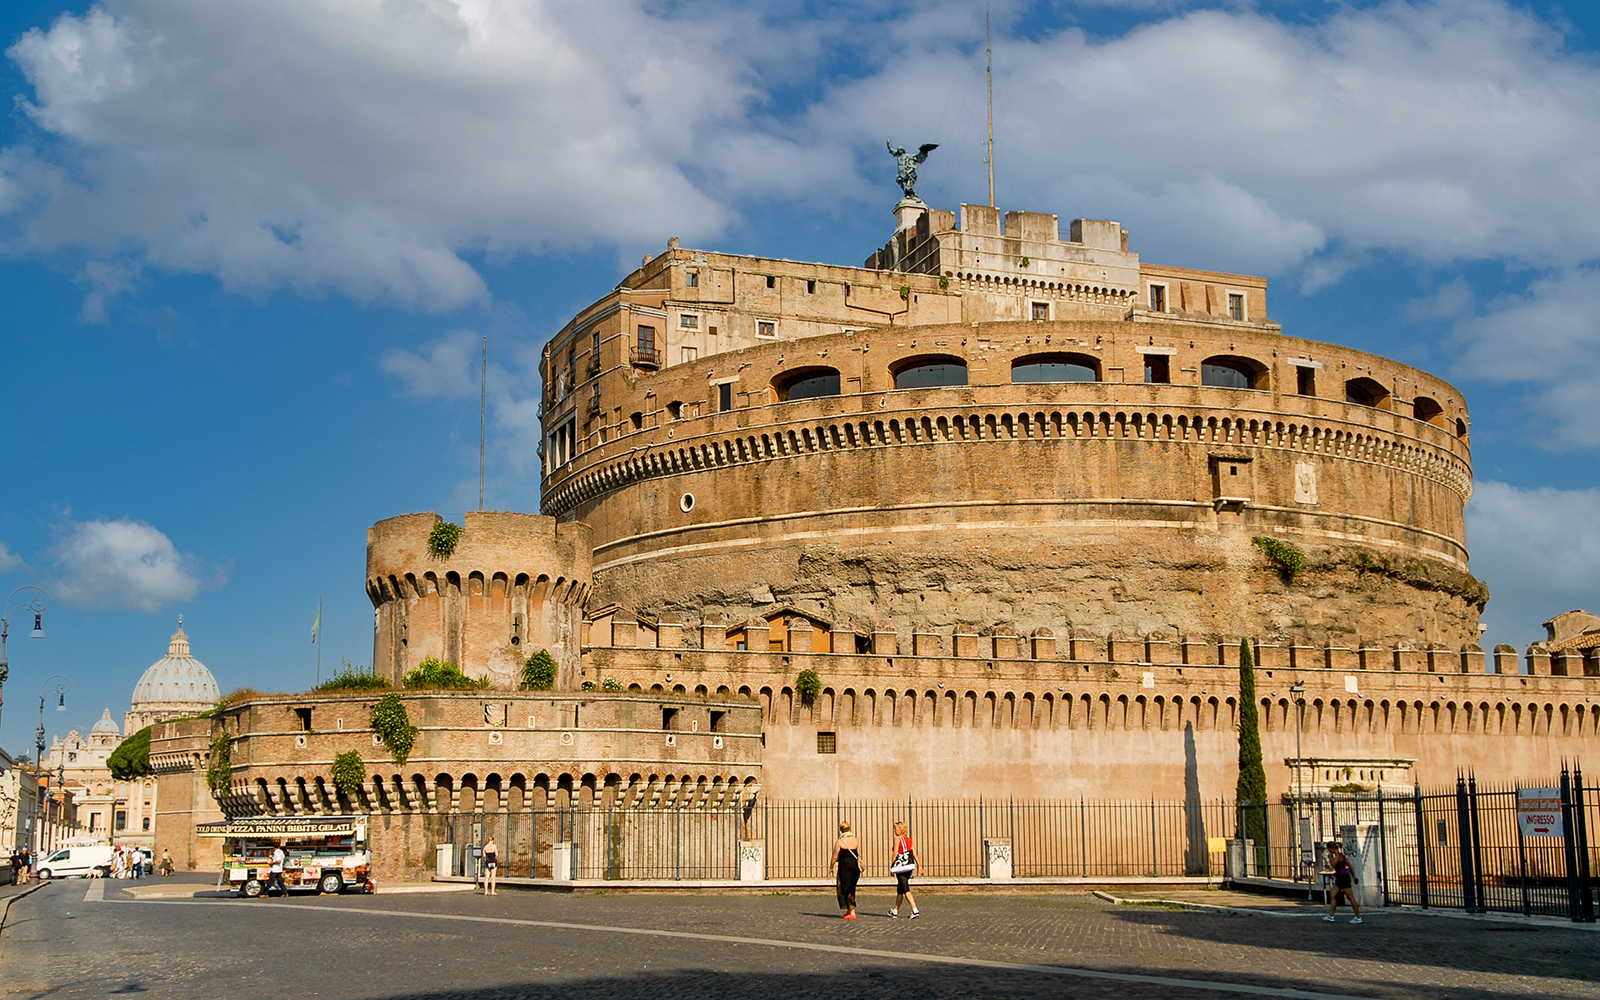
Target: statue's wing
x,y
929,146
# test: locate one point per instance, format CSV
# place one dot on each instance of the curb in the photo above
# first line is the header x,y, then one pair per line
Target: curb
x,y
6,912
1183,904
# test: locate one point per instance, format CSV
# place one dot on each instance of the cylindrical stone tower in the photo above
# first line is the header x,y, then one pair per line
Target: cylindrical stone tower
x,y
514,584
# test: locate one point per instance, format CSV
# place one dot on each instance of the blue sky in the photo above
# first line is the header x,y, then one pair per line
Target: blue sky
x,y
248,250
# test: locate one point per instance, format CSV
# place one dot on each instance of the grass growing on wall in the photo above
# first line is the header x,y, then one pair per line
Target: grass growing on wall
x,y
436,673
1290,560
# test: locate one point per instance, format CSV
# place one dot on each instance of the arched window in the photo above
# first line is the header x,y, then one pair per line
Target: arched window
x,y
1428,411
637,420
928,372
1461,429
1055,368
1366,392
807,383
1226,372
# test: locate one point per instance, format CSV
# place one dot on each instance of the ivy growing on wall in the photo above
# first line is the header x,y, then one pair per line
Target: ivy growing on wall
x,y
219,773
1291,561
393,726
443,538
349,773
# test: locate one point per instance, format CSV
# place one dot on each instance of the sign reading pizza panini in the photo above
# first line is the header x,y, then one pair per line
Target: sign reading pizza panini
x,y
295,826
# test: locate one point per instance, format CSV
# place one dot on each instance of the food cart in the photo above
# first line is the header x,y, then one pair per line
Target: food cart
x,y
321,853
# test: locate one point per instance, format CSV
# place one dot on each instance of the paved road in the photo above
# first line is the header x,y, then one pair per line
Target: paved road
x,y
461,946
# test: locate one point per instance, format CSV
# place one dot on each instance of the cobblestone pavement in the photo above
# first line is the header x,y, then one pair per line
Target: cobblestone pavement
x,y
457,946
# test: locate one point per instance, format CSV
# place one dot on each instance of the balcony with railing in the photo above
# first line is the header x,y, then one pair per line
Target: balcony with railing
x,y
645,357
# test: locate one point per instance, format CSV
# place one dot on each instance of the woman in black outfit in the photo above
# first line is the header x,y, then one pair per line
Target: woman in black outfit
x,y
847,856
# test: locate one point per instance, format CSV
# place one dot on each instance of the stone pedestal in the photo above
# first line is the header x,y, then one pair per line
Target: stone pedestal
x,y
906,213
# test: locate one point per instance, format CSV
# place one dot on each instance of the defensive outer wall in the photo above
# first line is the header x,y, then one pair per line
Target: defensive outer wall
x,y
515,755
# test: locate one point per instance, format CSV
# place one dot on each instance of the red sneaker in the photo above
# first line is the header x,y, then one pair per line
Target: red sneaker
x,y
850,916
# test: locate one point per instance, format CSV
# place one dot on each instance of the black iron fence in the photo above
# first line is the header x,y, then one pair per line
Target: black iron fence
x,y
1461,847
1040,838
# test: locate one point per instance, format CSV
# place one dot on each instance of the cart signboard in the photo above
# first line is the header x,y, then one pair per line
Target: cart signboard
x,y
1539,812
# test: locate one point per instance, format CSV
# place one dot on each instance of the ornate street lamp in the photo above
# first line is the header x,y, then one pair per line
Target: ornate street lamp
x,y
1298,689
36,606
60,691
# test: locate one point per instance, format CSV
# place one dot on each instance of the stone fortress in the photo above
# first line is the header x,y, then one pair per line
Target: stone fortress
x,y
1013,499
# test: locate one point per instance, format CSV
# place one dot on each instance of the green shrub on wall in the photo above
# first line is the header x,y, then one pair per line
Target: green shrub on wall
x,y
443,538
436,673
393,726
809,685
352,678
349,773
539,671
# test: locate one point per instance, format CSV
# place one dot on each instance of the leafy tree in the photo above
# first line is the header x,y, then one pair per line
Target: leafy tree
x,y
539,672
1251,792
131,758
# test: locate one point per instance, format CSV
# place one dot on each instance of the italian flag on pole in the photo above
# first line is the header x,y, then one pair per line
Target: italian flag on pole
x,y
316,623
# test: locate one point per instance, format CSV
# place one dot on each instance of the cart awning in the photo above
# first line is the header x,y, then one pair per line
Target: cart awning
x,y
283,826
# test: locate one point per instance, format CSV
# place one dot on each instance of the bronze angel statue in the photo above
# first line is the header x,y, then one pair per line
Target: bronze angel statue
x,y
906,174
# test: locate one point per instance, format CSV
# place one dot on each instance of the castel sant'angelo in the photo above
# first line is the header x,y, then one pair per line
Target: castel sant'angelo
x,y
987,515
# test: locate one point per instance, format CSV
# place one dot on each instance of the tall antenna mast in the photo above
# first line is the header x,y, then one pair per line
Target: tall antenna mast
x,y
988,70
483,415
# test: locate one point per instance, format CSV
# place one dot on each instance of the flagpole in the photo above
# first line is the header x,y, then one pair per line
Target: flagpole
x,y
316,638
483,415
988,73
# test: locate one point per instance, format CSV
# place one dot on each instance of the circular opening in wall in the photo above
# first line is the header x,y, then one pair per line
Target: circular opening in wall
x,y
687,503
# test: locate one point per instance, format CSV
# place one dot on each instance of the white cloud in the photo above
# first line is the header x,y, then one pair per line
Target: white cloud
x,y
9,560
1547,340
362,145
1539,552
125,564
366,146
450,369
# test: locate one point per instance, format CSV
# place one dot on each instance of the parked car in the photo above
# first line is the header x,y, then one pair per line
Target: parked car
x,y
79,861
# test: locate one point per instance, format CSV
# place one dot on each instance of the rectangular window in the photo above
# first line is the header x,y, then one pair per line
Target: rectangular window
x,y
691,279
122,819
716,721
1041,310
811,288
1156,370
766,328
1306,381
1443,834
647,338
772,282
303,716
1236,305
669,718
690,353
594,349
146,822
1158,298
827,743
725,397
687,322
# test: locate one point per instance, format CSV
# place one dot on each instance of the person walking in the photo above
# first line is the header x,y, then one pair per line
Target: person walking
x,y
905,862
136,863
1344,880
847,858
27,864
275,873
166,862
491,863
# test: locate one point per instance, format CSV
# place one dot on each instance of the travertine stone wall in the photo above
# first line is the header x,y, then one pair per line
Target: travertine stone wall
x,y
515,583
1104,505
1054,727
180,752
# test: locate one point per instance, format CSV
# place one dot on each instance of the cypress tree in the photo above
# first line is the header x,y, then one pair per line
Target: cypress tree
x,y
1251,792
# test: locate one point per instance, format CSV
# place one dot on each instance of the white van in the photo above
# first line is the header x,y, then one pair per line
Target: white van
x,y
81,861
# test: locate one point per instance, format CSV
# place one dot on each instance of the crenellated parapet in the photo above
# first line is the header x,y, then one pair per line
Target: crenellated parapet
x,y
514,583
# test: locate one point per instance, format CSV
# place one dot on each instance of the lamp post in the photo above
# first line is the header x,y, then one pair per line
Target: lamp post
x,y
1298,689
60,691
33,604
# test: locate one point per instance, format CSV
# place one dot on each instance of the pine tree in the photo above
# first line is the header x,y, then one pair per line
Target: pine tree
x,y
1251,792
